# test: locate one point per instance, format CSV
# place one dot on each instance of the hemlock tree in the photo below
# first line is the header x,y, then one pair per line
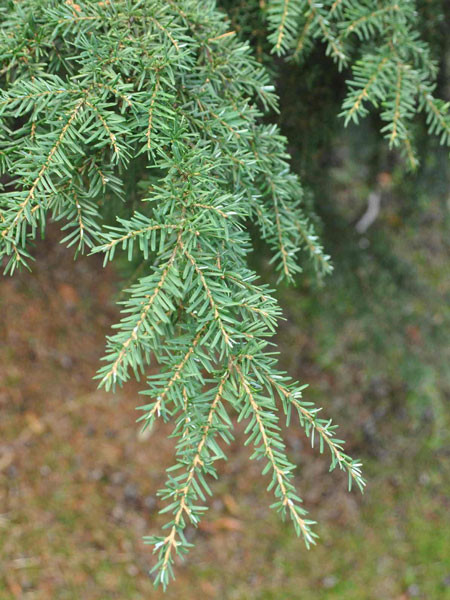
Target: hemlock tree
x,y
151,112
377,42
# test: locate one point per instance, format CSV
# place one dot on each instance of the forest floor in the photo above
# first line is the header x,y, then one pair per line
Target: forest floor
x,y
78,480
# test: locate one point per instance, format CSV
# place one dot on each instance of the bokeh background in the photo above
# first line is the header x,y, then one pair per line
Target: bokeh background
x,y
78,479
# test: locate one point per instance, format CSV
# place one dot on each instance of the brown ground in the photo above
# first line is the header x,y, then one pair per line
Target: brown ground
x,y
78,481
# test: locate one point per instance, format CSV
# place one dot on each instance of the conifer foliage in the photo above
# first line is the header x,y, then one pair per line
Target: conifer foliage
x,y
391,67
151,110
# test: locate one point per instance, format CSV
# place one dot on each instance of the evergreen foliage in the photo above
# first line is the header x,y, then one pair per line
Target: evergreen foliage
x,y
380,44
152,111
96,90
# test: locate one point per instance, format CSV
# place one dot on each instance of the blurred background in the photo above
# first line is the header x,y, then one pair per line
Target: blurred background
x,y
78,480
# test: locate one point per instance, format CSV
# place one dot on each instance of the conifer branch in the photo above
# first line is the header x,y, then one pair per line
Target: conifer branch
x,y
150,112
282,25
170,542
412,160
156,408
166,139
364,93
281,468
370,16
116,93
166,33
284,254
23,206
389,54
106,127
304,34
396,116
126,345
325,431
215,308
34,96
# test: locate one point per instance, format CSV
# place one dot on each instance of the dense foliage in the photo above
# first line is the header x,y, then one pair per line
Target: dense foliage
x,y
150,113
